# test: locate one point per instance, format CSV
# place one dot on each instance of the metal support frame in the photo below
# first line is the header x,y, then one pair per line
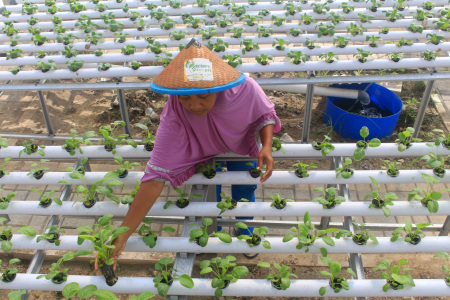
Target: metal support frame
x,y
445,227
423,105
184,262
39,256
48,122
124,111
307,113
325,221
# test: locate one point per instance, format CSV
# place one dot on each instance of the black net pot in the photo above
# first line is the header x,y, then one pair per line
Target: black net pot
x,y
361,144
446,145
309,244
359,241
33,148
447,280
317,146
280,205
415,240
299,174
58,279
255,238
3,237
330,205
226,284
108,272
210,174
378,202
276,284
182,204
2,173
8,278
255,173
124,174
89,203
439,172
393,173
169,280
336,283
424,202
46,203
38,175
148,147
68,149
233,204
54,238
394,284
109,149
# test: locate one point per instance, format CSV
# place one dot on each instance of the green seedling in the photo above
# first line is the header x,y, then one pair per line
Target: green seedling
x,y
429,196
183,200
337,281
329,198
228,203
359,153
360,237
281,279
201,236
393,275
150,236
279,202
6,234
412,237
379,201
168,276
345,171
254,239
51,235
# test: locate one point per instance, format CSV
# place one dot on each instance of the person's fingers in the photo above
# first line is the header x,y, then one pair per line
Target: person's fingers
x,y
260,162
269,169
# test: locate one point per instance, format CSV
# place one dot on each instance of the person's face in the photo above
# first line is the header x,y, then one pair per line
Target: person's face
x,y
200,104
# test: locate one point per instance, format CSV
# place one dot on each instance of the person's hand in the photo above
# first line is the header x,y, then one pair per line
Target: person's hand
x,y
265,157
119,244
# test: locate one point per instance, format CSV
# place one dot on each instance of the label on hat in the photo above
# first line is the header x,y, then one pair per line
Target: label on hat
x,y
198,69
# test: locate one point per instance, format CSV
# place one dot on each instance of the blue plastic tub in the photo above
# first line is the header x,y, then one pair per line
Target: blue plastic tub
x,y
348,124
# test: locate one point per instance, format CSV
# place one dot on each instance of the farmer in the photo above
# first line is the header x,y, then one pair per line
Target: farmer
x,y
212,109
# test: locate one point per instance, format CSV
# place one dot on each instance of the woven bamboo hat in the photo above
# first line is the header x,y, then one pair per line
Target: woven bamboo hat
x,y
196,70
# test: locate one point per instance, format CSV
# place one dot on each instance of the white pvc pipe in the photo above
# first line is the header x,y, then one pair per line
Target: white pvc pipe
x,y
205,209
148,56
240,177
290,151
243,287
322,91
182,244
245,68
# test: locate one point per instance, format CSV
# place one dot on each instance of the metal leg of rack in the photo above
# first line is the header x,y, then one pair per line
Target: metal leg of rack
x,y
423,107
48,122
445,227
124,111
307,113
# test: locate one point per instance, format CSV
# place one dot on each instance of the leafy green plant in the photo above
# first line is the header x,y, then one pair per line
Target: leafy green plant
x,y
149,139
278,21
422,15
229,203
263,59
429,196
156,47
310,44
66,38
107,133
201,236
9,273
194,22
13,41
124,166
249,45
238,10
164,281
306,234
3,166
279,44
203,3
208,170
52,235
98,52
373,40
295,31
103,66
279,202
359,153
328,57
264,31
445,268
434,38
412,237
14,70
218,46
346,8
442,138
4,201
39,40
29,147
301,169
45,67
320,8
148,235
237,32
178,34
405,139
250,20
233,60
393,15
94,38
89,192
341,41
57,273
225,271
69,52
281,279
393,275
437,162
74,143
337,281
415,28
33,21
207,33
53,9
120,37
329,198
355,29
102,236
77,7
75,65
175,3
361,236
10,30
40,54
379,201
46,198
325,146
38,169
6,13
128,49
114,26
13,53
101,7
264,12
168,24
183,199
391,168
291,9
165,60
6,234
254,239
375,5
224,22
325,29
296,56
345,171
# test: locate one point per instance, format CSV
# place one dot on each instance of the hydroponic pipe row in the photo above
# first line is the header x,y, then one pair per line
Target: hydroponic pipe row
x,y
440,62
182,244
243,287
149,56
205,209
289,151
239,177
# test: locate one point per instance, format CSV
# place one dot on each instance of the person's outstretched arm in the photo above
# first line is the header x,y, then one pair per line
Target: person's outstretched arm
x,y
146,196
265,155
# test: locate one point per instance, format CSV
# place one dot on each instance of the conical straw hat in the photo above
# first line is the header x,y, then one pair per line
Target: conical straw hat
x,y
196,70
